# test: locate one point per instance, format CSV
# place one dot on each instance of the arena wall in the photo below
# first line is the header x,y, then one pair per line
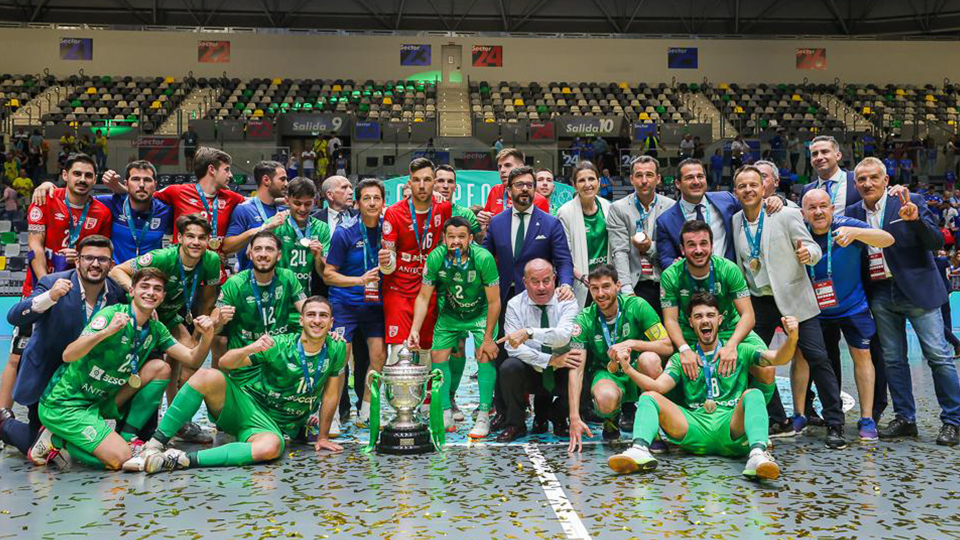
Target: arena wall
x,y
524,59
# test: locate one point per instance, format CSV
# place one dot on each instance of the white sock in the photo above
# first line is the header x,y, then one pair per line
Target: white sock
x,y
482,414
365,409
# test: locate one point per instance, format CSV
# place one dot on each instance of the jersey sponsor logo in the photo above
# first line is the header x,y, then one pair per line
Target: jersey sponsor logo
x,y
387,227
406,257
99,323
36,214
576,330
145,259
392,331
96,373
89,433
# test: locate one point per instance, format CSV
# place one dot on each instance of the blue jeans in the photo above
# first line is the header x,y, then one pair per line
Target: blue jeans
x,y
891,309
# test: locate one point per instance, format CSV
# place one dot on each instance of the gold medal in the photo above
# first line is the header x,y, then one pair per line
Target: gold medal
x,y
134,381
754,265
214,243
709,406
613,366
305,242
188,319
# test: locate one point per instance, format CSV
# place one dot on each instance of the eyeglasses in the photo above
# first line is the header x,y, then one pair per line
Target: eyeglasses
x,y
523,185
90,259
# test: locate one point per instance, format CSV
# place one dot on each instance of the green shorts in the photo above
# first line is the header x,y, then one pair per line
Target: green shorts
x,y
448,331
244,376
628,389
84,427
710,434
242,416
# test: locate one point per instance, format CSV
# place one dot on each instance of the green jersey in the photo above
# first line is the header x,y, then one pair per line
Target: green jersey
x,y
467,214
275,314
726,390
103,371
167,259
297,257
725,281
285,392
636,320
461,287
597,238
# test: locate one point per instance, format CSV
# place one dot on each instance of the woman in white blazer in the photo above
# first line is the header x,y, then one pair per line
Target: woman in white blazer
x,y
584,220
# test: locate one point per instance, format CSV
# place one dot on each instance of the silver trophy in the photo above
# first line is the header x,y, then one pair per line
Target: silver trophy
x,y
405,382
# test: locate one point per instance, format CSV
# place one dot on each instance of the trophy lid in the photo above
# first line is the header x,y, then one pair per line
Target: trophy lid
x,y
405,366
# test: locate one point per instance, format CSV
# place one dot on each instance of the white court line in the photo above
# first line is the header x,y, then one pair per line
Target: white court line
x,y
569,519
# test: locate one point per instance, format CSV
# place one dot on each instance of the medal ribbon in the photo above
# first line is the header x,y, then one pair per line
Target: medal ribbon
x,y
128,214
138,338
644,214
75,229
374,422
369,254
461,263
311,378
206,206
97,306
707,368
603,325
711,283
259,301
260,210
301,234
188,299
426,224
754,241
829,256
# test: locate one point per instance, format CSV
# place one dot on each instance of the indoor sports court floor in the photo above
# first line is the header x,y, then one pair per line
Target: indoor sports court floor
x,y
530,489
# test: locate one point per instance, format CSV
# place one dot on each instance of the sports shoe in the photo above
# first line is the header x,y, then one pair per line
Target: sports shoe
x,y
633,459
170,460
782,430
481,428
335,430
761,465
449,422
898,427
627,415
363,416
814,419
39,453
611,429
835,440
867,429
192,433
60,459
140,452
457,413
948,435
659,446
799,422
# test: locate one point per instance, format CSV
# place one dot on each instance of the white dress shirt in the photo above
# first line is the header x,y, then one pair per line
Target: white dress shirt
x,y
515,224
713,217
758,283
875,218
839,190
523,313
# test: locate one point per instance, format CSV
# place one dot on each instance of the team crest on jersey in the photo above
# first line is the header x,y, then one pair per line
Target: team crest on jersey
x,y
626,328
155,224
387,227
96,373
91,223
36,214
472,275
99,323
576,330
90,433
393,331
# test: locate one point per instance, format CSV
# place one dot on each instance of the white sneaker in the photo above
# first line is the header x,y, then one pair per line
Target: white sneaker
x,y
41,449
633,459
170,460
140,455
481,428
449,422
363,417
334,427
457,413
761,465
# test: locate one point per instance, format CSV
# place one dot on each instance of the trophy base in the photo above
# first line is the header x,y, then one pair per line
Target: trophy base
x,y
405,441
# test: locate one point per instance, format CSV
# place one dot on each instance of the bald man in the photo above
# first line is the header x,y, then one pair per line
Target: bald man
x,y
338,194
838,285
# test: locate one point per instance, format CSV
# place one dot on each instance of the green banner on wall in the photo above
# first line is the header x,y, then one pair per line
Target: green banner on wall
x,y
473,188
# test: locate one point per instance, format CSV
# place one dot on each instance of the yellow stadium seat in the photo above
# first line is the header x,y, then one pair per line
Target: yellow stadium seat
x,y
14,102
518,102
951,122
738,110
724,86
155,105
91,90
415,120
643,116
258,113
276,81
796,97
900,92
3,263
930,97
565,90
337,88
488,120
867,110
624,85
388,101
168,80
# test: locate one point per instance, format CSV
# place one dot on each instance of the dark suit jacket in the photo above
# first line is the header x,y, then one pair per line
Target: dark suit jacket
x,y
910,258
670,222
853,196
53,330
317,286
544,239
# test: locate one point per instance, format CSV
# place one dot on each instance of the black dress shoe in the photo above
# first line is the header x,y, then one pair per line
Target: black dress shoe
x,y
948,436
498,422
540,425
898,427
511,433
5,414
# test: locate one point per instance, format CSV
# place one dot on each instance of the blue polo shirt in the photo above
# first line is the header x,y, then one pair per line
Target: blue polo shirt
x,y
891,165
847,279
246,216
346,253
121,235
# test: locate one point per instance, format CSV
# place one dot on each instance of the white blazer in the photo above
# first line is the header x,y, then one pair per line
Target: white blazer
x,y
571,217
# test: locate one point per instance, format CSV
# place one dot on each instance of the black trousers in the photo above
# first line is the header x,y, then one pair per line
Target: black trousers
x,y
831,338
21,435
814,351
361,363
650,291
520,379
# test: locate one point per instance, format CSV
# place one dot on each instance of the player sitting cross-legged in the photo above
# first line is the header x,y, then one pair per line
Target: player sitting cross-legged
x,y
719,414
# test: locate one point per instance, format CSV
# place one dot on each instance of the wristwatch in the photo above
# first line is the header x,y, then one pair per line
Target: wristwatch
x,y
529,333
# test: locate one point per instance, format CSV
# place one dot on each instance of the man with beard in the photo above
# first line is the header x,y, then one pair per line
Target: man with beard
x,y
304,239
499,198
466,281
615,326
108,375
262,300
719,414
69,215
57,309
261,212
296,370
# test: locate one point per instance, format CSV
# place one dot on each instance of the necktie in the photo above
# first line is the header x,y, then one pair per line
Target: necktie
x,y
699,209
828,185
549,378
521,234
339,220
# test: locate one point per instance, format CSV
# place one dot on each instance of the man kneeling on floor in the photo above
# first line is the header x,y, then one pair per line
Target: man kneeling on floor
x,y
719,414
296,370
107,374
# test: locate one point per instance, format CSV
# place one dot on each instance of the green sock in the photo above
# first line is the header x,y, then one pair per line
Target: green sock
x,y
755,420
487,379
444,368
229,455
82,456
143,405
181,411
646,423
457,365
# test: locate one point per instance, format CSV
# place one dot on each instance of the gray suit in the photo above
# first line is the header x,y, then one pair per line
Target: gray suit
x,y
621,226
789,279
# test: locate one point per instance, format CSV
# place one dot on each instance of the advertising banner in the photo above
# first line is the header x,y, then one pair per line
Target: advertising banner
x,y
313,124
487,56
213,52
415,55
578,126
158,150
682,58
812,59
76,48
